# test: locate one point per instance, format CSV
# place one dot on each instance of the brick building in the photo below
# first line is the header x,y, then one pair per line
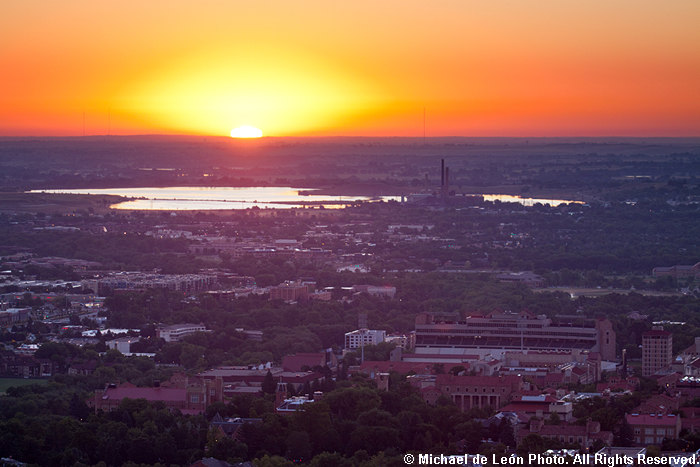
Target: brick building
x,y
468,392
193,399
581,435
290,292
653,428
657,351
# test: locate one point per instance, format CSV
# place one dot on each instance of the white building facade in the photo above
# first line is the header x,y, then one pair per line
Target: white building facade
x,y
363,337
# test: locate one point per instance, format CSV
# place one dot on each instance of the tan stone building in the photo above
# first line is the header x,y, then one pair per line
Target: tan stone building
x,y
657,351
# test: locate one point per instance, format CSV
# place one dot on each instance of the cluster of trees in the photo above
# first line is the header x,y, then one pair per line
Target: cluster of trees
x,y
112,249
353,424
51,425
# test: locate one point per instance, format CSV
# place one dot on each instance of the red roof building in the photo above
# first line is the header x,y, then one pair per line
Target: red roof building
x,y
618,385
478,391
652,428
658,404
582,435
688,387
691,418
371,367
540,405
307,361
186,401
232,377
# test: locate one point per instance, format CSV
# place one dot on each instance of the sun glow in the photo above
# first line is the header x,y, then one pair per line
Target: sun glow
x,y
302,69
286,91
246,131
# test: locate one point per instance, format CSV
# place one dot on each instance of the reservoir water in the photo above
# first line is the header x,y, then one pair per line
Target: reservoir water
x,y
195,198
198,198
527,201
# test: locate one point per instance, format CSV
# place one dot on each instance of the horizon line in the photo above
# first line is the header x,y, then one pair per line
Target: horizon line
x,y
196,135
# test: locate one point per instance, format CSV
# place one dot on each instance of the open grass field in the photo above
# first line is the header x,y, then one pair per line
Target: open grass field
x,y
10,382
55,203
596,292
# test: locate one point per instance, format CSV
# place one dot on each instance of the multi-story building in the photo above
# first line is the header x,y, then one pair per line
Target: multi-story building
x,y
122,344
376,290
187,283
27,366
290,291
540,406
13,316
678,271
177,331
191,400
405,341
653,428
657,351
499,332
239,380
363,337
468,392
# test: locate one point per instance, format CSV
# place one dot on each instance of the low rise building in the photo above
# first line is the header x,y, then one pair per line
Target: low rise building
x,y
581,435
653,428
293,404
249,380
541,406
191,400
528,278
405,341
469,392
688,387
27,366
187,283
373,368
659,404
690,419
290,291
123,344
376,290
176,332
363,337
307,361
678,271
13,316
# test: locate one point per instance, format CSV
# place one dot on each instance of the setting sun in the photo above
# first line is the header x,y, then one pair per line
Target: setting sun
x,y
246,131
302,69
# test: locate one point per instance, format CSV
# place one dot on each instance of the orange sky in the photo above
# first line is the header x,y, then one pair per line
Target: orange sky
x,y
320,67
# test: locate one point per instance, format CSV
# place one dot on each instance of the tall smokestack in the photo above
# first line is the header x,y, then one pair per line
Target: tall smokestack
x,y
442,172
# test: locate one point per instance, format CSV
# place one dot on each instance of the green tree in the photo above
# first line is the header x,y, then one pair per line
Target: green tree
x,y
298,446
532,443
349,403
268,384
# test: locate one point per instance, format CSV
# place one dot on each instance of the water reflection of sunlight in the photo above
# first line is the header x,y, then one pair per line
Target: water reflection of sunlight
x,y
528,201
211,198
